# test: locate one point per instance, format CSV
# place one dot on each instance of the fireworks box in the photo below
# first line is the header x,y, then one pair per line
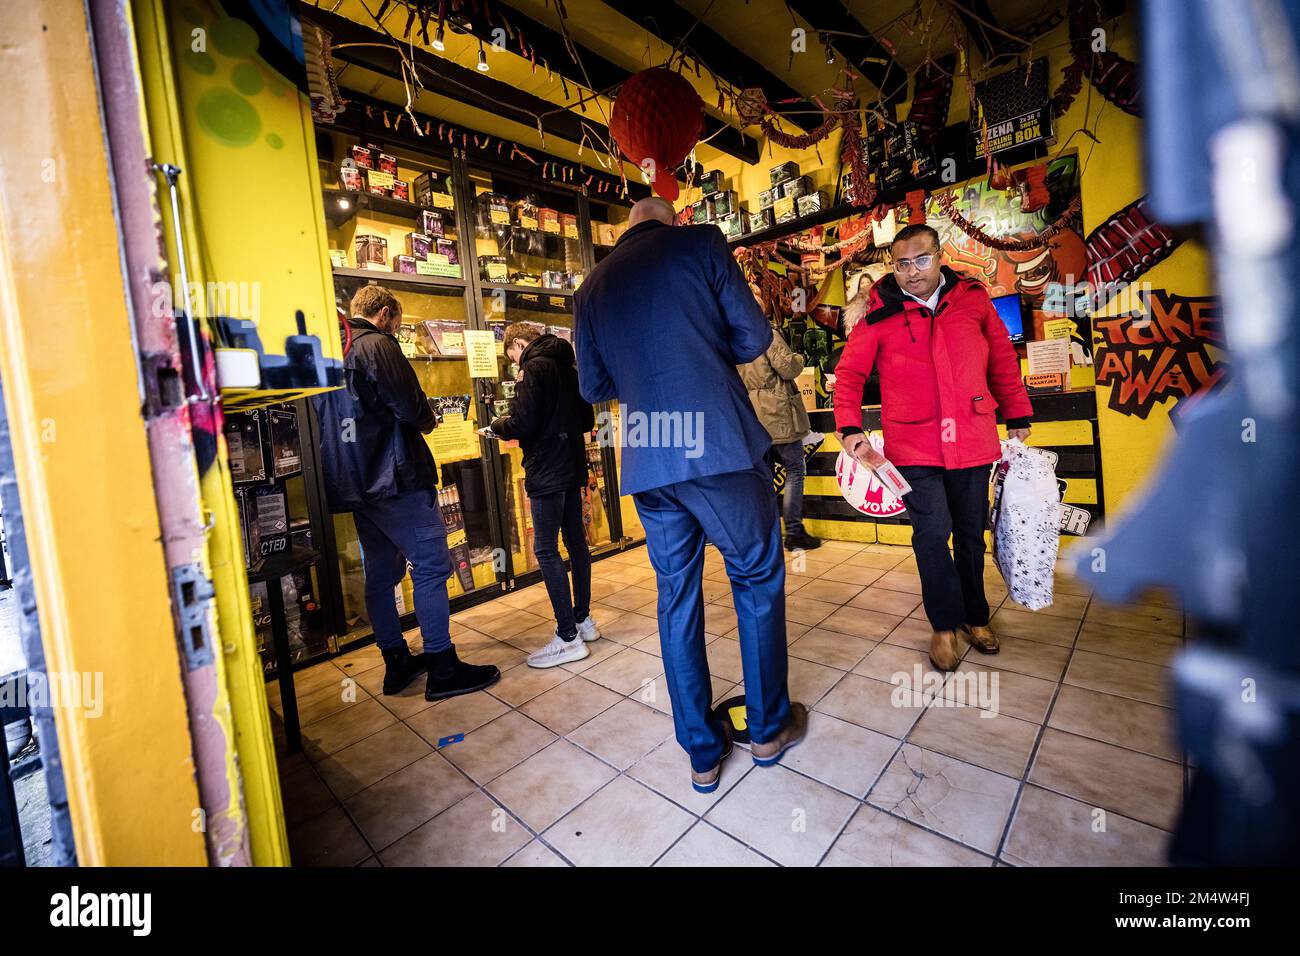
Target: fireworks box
x,y
418,246
432,223
811,204
794,188
494,209
246,442
711,182
286,444
371,251
787,170
268,522
352,179
430,189
724,203
362,157
732,225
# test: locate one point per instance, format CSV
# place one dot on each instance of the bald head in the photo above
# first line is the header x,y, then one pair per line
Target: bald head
x,y
652,207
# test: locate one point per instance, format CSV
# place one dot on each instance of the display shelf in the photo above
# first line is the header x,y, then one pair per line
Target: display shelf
x,y
783,229
380,204
527,289
399,278
553,244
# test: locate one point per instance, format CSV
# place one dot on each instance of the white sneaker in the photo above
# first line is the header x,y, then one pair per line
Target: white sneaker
x,y
812,438
587,630
557,652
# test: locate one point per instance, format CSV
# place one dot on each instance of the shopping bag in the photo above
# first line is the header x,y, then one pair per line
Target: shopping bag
x,y
1026,523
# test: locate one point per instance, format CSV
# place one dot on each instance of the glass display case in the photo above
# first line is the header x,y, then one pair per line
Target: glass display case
x,y
463,246
525,236
278,513
608,221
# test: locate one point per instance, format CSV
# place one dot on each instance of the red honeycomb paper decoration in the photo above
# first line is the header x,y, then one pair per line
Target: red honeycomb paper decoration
x,y
658,116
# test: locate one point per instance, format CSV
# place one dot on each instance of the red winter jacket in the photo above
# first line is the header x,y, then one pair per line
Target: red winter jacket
x,y
942,374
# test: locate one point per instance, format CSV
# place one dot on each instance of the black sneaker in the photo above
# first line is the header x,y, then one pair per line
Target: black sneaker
x,y
400,668
802,541
449,676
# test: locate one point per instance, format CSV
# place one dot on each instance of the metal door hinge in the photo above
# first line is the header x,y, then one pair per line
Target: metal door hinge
x,y
192,592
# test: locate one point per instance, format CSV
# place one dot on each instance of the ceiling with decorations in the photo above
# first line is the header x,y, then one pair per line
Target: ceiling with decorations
x,y
545,74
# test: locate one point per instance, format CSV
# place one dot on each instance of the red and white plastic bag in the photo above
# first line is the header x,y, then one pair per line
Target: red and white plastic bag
x,y
1026,523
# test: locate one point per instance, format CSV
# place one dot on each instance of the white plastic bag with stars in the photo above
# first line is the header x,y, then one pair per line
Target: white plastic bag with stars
x,y
1026,523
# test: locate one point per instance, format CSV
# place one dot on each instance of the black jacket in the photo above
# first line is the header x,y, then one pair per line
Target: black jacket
x,y
371,442
548,416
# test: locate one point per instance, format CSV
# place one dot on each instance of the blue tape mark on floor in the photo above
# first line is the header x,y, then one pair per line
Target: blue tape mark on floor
x,y
453,739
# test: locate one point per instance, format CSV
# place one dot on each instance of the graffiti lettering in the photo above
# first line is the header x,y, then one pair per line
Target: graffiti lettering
x,y
1164,356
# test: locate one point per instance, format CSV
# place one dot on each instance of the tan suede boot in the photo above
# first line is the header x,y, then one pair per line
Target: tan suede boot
x,y
766,754
981,638
945,652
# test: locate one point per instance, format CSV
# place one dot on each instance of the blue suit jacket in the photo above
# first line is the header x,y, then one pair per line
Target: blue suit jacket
x,y
662,324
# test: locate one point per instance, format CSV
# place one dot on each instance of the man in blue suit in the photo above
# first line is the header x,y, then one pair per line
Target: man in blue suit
x,y
662,324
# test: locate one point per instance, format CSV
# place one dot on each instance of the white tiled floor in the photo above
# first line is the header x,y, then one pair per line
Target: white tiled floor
x,y
578,765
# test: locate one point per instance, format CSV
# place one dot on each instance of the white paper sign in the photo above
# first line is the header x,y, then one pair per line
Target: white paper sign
x,y
1049,356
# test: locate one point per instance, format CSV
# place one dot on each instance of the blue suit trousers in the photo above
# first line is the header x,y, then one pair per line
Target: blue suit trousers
x,y
737,512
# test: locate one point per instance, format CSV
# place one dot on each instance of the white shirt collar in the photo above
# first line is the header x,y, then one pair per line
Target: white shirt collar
x,y
931,302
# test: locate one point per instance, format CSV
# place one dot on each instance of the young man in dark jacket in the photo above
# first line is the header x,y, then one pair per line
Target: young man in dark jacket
x,y
376,465
946,363
549,417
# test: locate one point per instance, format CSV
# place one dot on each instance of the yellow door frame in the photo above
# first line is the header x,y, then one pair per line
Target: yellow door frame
x,y
73,397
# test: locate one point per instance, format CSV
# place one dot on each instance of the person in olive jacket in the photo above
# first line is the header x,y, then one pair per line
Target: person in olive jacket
x,y
549,418
769,379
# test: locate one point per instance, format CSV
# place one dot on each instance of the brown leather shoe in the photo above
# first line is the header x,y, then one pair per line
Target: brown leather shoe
x,y
945,653
981,638
708,781
794,730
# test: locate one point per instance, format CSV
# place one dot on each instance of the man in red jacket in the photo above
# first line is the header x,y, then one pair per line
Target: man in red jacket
x,y
946,363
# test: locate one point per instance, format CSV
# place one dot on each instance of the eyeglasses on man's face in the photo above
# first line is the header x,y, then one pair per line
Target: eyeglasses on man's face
x,y
920,263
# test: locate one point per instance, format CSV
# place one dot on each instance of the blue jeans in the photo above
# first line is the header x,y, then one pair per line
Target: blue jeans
x,y
393,532
735,511
791,455
553,514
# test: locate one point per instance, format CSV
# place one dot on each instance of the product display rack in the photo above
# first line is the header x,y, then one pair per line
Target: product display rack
x,y
398,278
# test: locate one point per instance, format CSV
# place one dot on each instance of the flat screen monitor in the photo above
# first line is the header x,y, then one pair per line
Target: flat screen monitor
x,y
1012,312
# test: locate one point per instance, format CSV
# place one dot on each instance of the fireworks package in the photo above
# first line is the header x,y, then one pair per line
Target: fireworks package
x,y
1026,523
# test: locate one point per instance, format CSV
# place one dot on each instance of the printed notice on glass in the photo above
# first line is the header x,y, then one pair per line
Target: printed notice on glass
x,y
1058,328
1050,355
481,353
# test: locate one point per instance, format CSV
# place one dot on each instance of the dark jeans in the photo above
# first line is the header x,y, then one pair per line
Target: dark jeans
x,y
553,514
392,533
791,456
946,502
